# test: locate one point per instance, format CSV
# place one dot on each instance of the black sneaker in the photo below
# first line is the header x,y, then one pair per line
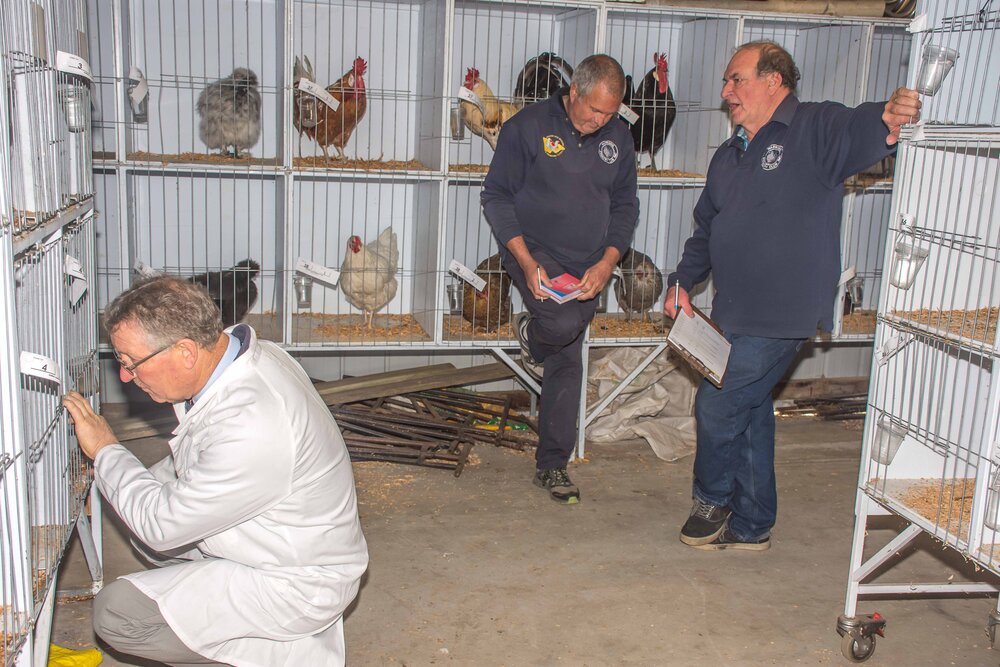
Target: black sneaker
x,y
705,523
557,481
528,362
729,541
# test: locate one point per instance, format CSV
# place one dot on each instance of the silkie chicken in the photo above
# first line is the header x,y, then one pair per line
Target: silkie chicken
x,y
486,119
230,113
638,289
233,290
489,308
653,101
368,273
334,128
541,77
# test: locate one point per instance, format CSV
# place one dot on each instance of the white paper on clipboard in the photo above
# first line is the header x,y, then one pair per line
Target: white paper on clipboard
x,y
702,345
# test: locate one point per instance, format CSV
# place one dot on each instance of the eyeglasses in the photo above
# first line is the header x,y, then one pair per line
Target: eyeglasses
x,y
130,368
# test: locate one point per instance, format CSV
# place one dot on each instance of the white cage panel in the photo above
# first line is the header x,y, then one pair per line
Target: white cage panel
x,y
208,226
104,128
80,308
889,61
942,262
49,109
969,93
328,215
499,39
697,47
829,56
863,247
400,44
111,257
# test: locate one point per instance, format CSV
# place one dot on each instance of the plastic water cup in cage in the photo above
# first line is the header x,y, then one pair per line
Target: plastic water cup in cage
x,y
906,262
75,102
889,436
303,291
992,518
457,126
935,63
454,299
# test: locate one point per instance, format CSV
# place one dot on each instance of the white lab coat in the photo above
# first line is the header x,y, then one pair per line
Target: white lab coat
x,y
262,487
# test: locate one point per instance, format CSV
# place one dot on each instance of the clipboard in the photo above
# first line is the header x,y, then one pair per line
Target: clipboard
x,y
701,343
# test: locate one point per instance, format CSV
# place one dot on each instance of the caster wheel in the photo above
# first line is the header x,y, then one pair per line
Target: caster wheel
x,y
857,650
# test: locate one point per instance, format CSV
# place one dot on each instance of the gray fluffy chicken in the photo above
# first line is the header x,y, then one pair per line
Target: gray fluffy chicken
x,y
230,113
640,284
490,308
232,289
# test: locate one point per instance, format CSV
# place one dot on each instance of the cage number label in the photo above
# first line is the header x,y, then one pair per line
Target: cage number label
x,y
893,345
77,279
627,113
469,96
319,92
141,88
918,24
847,274
324,274
466,274
73,64
40,366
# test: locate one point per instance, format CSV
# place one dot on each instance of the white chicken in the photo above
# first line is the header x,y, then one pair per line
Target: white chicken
x,y
368,273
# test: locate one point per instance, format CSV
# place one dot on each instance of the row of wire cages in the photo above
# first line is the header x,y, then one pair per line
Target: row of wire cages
x,y
932,428
45,85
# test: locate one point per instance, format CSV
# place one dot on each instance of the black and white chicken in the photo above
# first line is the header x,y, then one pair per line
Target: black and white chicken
x,y
541,77
654,102
230,113
233,290
640,284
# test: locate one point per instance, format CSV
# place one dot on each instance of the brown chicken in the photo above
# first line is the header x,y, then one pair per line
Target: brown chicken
x,y
485,119
368,273
490,308
334,128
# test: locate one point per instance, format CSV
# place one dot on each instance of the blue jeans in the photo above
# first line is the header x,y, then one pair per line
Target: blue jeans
x,y
734,463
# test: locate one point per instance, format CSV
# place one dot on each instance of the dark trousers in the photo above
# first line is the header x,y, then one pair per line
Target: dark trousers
x,y
734,462
555,338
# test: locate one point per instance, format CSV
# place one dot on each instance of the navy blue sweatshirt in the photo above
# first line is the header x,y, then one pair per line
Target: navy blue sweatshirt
x,y
767,224
570,195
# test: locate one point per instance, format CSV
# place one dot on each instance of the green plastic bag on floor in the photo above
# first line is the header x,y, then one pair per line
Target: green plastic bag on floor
x,y
64,657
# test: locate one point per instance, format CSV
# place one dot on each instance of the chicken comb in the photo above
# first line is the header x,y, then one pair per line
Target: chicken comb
x,y
360,66
660,60
471,74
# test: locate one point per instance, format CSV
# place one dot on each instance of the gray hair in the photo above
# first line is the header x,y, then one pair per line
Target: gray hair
x,y
772,57
599,69
167,309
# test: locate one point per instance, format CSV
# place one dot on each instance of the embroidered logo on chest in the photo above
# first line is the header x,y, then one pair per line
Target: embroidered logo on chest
x,y
553,145
772,157
608,151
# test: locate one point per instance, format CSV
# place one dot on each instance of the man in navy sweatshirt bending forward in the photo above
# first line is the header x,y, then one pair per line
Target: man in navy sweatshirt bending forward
x,y
560,197
767,227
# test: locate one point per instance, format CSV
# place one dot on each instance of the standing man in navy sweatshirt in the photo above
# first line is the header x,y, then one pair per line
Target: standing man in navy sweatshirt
x,y
767,227
560,197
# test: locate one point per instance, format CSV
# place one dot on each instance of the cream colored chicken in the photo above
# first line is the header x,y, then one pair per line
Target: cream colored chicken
x,y
368,273
486,118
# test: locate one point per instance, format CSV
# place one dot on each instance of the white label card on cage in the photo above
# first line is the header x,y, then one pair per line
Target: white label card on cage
x,y
73,64
469,96
917,133
319,92
141,88
77,279
324,274
466,274
893,345
627,113
40,367
73,267
846,275
918,23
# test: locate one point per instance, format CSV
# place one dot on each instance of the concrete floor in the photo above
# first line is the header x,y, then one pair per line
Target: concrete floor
x,y
486,570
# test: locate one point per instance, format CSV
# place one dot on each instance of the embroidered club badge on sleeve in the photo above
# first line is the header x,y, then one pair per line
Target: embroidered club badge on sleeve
x,y
772,157
553,145
608,151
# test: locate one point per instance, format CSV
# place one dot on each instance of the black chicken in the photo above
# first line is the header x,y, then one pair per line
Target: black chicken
x,y
490,308
541,77
233,289
653,101
640,284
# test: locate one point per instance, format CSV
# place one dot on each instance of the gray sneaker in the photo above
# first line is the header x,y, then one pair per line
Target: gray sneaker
x,y
528,362
559,486
729,541
705,524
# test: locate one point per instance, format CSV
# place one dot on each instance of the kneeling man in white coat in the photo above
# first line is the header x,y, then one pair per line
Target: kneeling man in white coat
x,y
253,515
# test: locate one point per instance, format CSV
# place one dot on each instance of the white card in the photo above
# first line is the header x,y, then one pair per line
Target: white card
x,y
73,64
324,274
141,88
41,367
627,113
918,23
846,275
77,279
466,274
73,267
893,345
319,92
469,96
